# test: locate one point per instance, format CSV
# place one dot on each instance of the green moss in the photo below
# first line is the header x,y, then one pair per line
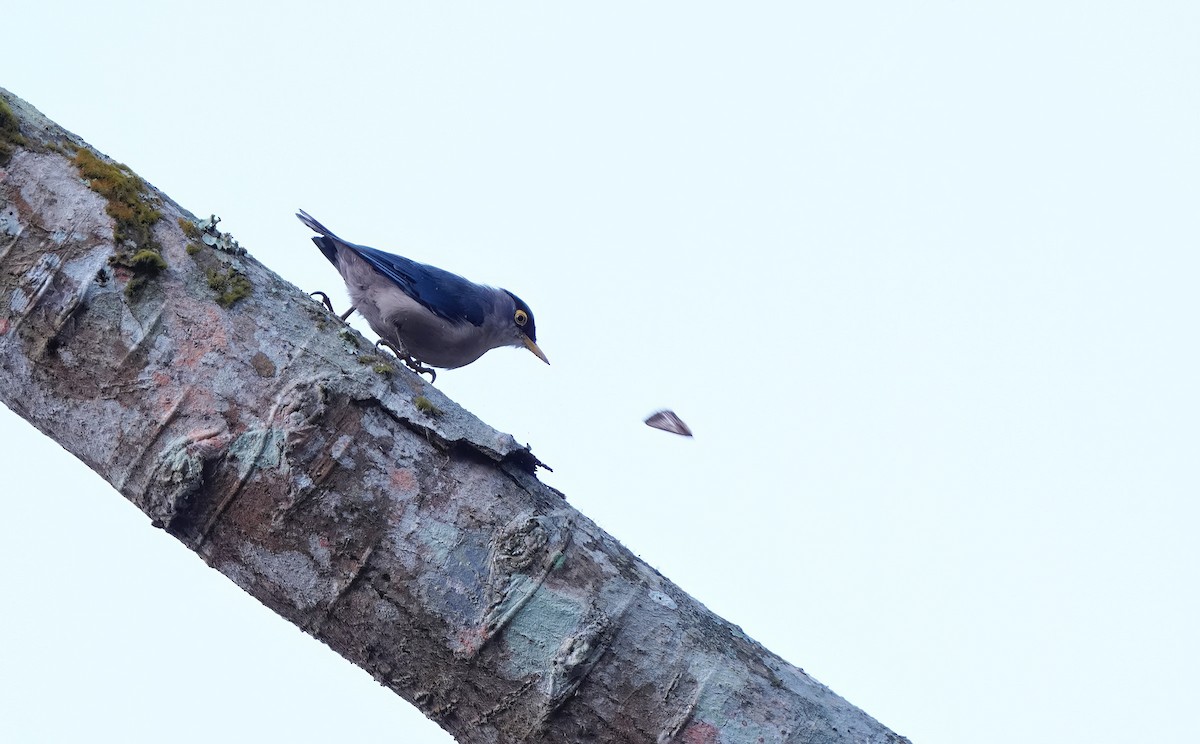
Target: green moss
x,y
126,198
230,285
143,265
426,406
348,336
134,286
147,262
134,217
378,364
193,248
189,228
10,133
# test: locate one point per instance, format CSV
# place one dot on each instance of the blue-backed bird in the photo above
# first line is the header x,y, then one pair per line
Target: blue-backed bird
x,y
425,314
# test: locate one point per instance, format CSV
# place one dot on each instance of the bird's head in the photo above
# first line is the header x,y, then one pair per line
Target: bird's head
x,y
523,329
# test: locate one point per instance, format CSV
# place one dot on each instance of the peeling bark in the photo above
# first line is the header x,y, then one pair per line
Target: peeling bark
x,y
349,495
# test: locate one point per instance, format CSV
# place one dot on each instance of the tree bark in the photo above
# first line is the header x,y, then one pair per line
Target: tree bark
x,y
344,492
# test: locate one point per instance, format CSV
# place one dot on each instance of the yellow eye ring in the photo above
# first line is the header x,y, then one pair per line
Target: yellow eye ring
x,y
521,317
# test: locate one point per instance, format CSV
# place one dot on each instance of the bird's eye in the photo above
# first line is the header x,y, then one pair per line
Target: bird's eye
x,y
521,317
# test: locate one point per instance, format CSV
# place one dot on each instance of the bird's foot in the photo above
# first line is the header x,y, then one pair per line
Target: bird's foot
x,y
420,369
325,301
408,360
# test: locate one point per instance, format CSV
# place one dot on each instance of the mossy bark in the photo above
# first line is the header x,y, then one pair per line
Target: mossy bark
x,y
363,506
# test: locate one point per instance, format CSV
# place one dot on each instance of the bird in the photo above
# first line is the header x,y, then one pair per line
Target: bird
x,y
426,315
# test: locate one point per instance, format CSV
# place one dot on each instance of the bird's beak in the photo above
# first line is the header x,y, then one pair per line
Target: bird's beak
x,y
529,344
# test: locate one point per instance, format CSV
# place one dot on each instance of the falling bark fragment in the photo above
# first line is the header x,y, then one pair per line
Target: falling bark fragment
x,y
668,421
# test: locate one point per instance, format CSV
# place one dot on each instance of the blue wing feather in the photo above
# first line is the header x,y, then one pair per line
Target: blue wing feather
x,y
443,293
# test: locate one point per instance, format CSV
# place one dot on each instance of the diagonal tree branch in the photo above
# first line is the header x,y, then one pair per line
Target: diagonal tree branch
x,y
343,491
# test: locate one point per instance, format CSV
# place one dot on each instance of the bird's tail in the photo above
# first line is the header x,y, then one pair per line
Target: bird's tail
x,y
327,241
313,225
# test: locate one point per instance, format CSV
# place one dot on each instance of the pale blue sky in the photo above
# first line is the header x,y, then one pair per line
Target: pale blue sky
x,y
921,277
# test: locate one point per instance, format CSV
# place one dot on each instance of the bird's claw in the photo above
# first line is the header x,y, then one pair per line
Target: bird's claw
x,y
408,360
325,301
420,369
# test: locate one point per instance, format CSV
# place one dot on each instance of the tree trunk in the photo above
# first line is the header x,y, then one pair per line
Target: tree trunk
x,y
344,492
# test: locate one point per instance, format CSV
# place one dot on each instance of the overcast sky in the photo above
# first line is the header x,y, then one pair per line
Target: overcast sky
x,y
924,279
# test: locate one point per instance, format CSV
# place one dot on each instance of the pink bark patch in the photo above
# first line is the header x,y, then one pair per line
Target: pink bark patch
x,y
699,732
403,480
470,640
206,334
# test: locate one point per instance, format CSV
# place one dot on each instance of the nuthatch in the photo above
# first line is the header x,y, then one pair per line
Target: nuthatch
x,y
425,313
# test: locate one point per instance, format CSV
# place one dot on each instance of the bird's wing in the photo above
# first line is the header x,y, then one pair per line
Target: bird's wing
x,y
444,294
